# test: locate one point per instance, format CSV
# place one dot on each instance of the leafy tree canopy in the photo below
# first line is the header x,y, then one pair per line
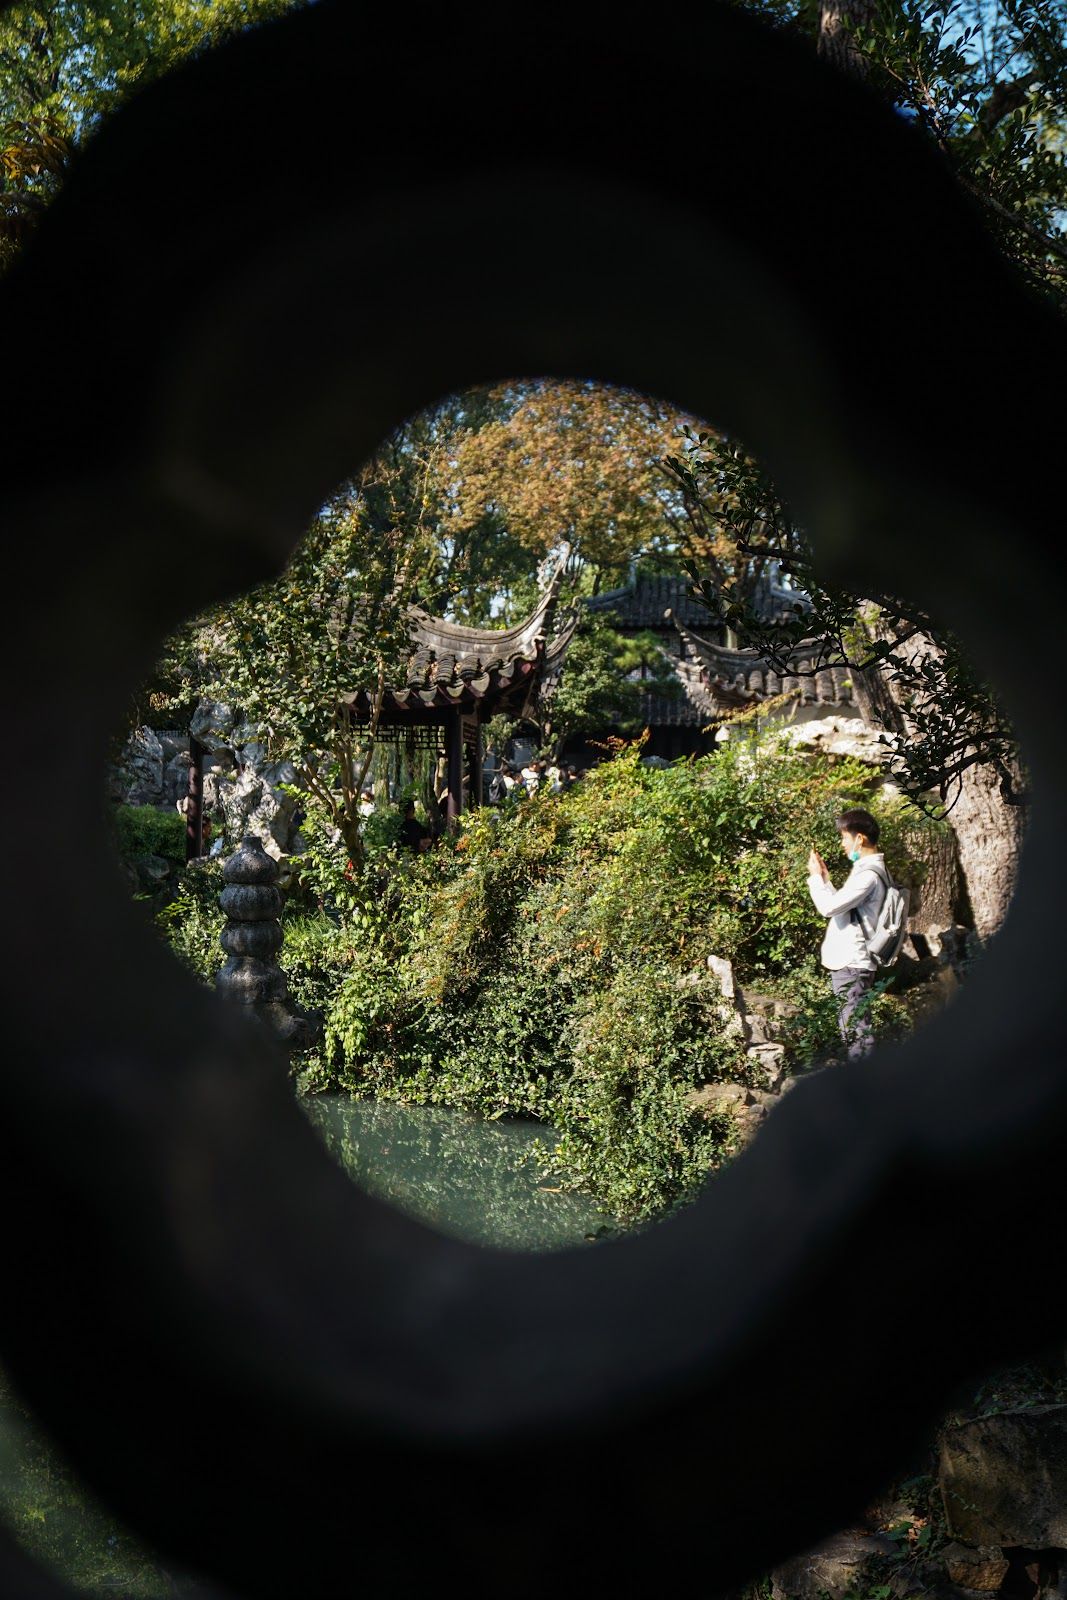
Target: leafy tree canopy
x,y
561,461
66,65
986,82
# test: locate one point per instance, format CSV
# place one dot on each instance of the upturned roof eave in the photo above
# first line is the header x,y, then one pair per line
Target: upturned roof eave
x,y
451,638
747,656
435,702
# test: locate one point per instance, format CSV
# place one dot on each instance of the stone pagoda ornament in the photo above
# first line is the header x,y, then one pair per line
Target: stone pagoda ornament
x,y
251,938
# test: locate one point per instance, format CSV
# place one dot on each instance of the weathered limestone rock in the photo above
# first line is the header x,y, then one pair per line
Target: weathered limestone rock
x,y
729,1011
244,784
767,1063
954,944
724,972
758,1018
212,725
760,1029
1004,1478
152,871
832,1570
748,1119
760,1003
982,1570
748,1107
175,777
754,1002
252,936
252,805
137,778
842,736
712,1097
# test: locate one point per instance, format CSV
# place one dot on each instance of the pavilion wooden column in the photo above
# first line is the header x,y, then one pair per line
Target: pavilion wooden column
x,y
472,733
194,809
454,758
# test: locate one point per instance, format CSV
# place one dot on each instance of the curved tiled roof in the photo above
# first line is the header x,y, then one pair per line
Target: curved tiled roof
x,y
644,604
451,667
694,707
450,640
662,601
744,676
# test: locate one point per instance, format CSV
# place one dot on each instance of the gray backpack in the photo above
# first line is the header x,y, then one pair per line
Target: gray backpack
x,y
885,939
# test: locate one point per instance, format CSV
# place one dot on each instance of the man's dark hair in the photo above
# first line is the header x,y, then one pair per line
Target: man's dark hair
x,y
858,821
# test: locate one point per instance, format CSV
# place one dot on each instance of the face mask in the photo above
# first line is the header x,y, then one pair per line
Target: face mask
x,y
853,855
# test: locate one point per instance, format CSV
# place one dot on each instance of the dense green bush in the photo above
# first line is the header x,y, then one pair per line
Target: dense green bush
x,y
149,831
552,961
191,920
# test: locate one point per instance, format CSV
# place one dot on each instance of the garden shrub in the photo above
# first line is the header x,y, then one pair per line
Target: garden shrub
x,y
149,831
551,961
191,921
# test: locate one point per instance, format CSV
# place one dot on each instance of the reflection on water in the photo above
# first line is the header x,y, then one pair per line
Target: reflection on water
x,y
474,1179
477,1180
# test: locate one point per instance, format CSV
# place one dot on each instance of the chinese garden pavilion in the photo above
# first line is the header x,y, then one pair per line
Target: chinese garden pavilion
x,y
456,679
715,676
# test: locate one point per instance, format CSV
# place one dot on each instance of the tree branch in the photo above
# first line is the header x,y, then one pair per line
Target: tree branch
x,y
1014,220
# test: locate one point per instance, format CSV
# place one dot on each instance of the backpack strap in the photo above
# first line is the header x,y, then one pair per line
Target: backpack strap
x,y
881,871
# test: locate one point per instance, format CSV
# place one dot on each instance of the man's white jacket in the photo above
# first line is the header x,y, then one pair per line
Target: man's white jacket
x,y
862,891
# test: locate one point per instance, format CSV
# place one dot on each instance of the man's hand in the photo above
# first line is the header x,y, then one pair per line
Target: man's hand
x,y
816,865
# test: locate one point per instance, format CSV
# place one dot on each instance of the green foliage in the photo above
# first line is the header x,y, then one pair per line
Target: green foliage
x,y
551,961
191,921
67,65
638,1046
952,718
149,831
985,82
593,692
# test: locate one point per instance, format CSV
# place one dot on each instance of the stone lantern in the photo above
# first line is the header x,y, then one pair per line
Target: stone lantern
x,y
251,938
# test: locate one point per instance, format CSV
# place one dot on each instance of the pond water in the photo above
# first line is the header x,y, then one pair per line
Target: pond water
x,y
477,1180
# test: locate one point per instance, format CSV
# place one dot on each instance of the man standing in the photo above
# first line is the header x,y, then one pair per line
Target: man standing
x,y
849,909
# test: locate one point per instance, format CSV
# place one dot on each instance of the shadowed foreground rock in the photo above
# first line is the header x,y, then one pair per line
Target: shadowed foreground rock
x,y
1004,1478
835,1569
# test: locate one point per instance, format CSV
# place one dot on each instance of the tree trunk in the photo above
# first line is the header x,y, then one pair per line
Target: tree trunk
x,y
352,836
989,834
836,43
988,831
939,900
874,699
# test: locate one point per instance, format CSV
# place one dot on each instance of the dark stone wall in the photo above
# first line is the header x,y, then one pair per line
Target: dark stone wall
x,y
270,1375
